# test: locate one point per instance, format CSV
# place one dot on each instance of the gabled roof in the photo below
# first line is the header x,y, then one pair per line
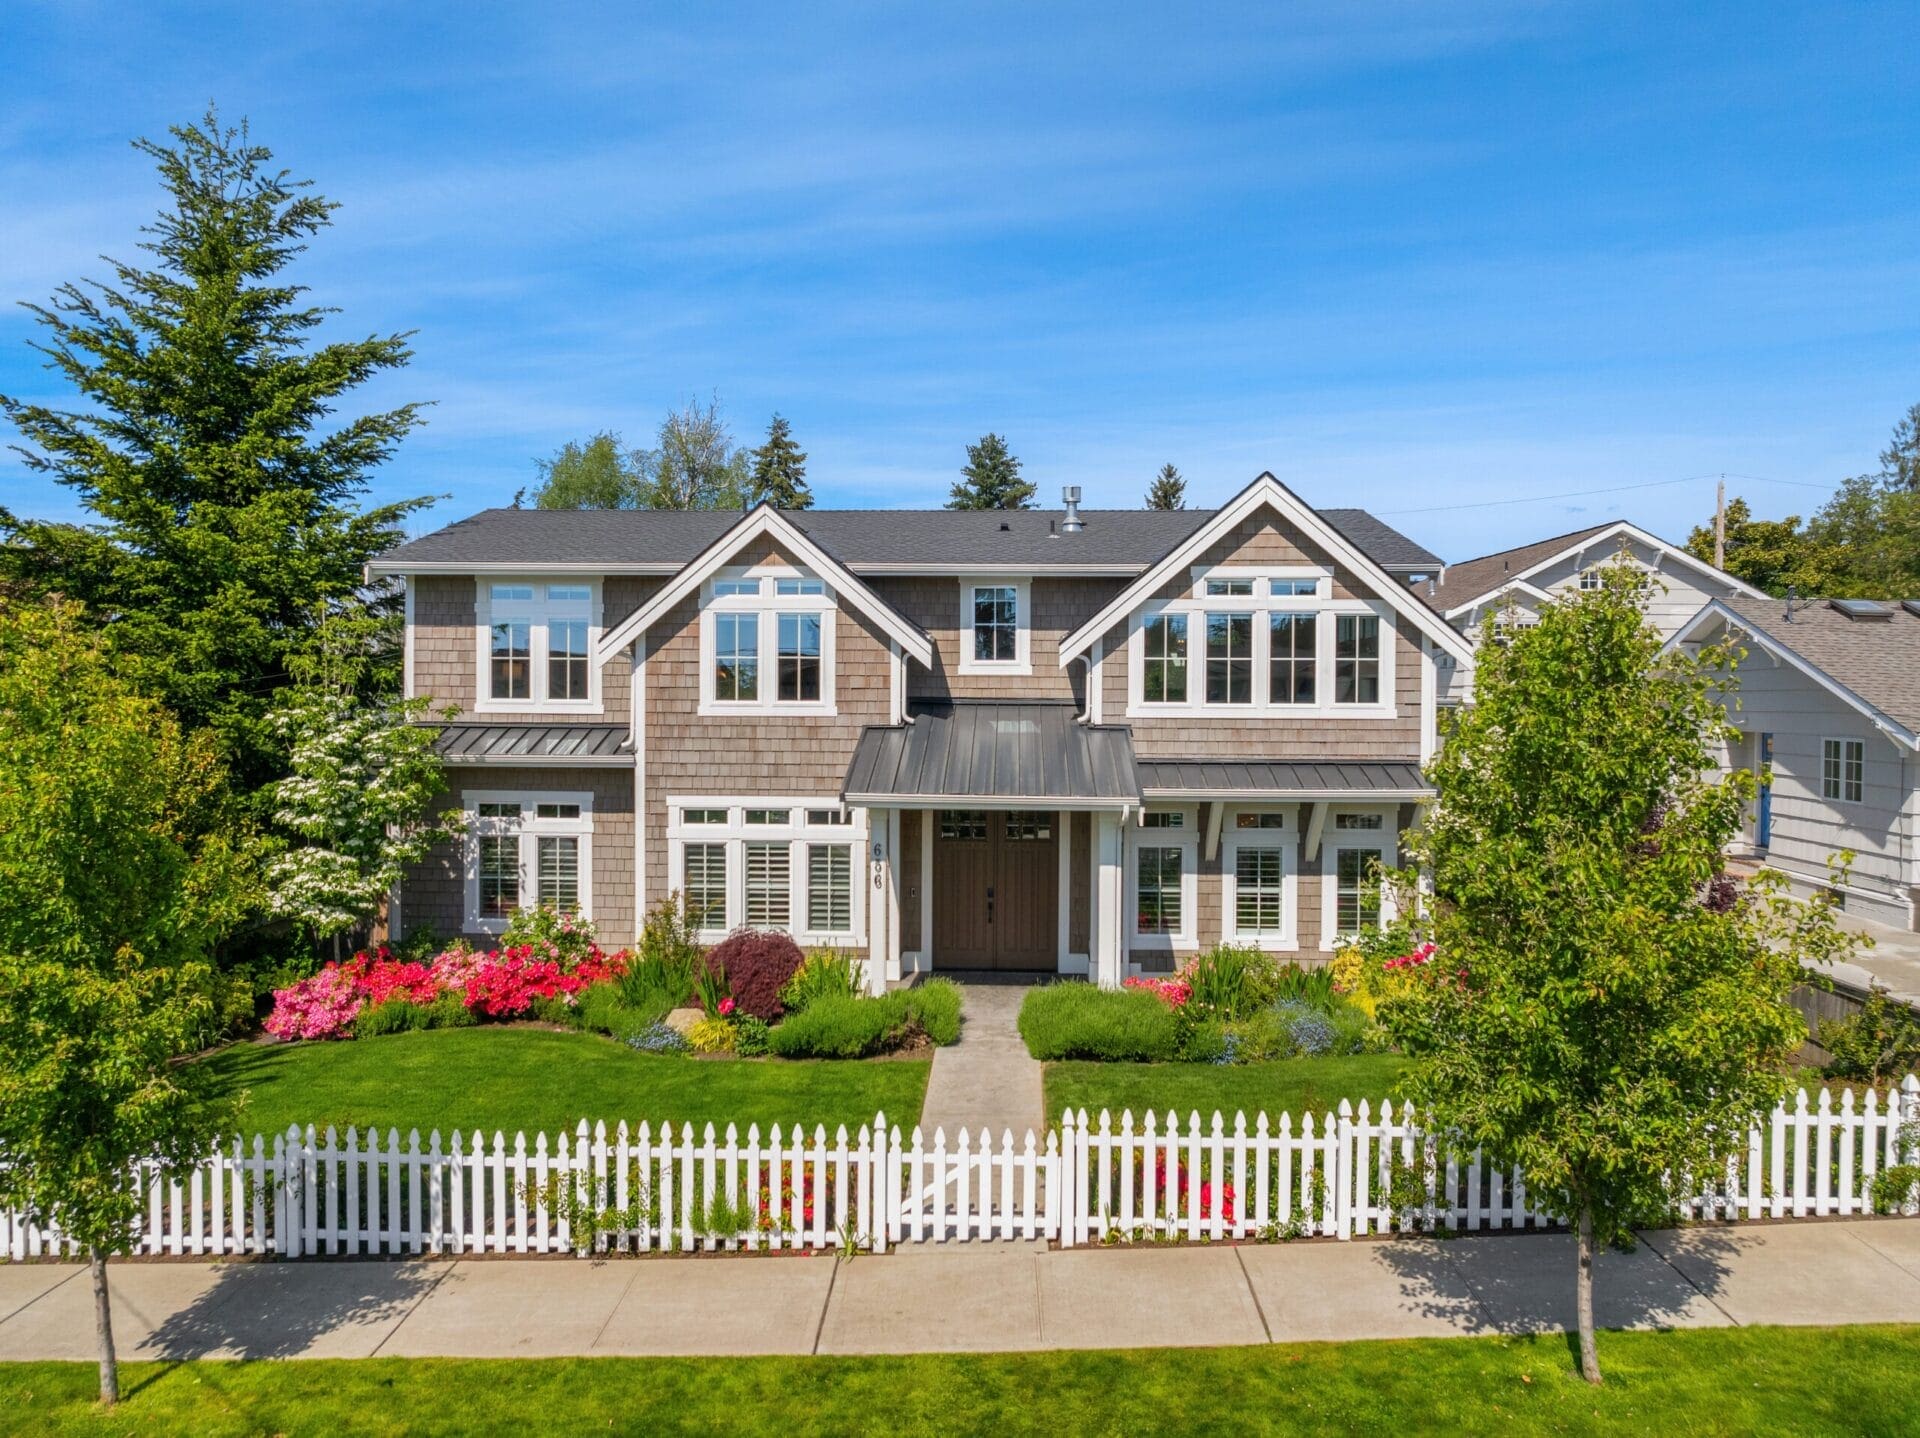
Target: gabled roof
x,y
1512,586
1268,492
1461,586
763,519
1118,542
1871,664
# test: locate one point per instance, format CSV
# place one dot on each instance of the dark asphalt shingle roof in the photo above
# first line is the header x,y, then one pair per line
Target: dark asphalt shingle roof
x,y
1359,777
1878,659
858,538
1471,578
986,751
514,743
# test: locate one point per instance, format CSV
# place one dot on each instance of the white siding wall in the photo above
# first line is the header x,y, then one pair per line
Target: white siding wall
x,y
1809,828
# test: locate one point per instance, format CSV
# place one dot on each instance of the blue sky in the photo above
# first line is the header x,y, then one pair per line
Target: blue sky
x,y
1416,258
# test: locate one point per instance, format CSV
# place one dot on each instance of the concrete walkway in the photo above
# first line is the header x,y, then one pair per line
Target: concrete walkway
x,y
1891,965
987,1080
968,1298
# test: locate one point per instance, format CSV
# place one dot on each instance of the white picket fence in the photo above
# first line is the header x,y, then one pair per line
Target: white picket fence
x,y
1347,1173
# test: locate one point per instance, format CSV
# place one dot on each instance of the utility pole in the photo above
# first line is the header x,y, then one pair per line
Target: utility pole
x,y
1720,525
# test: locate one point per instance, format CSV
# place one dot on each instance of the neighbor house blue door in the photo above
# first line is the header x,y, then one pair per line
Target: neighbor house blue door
x,y
1763,827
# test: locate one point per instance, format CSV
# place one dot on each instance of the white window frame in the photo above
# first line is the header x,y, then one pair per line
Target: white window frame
x,y
1845,744
530,828
798,832
1384,841
1287,840
768,605
539,611
1195,603
1022,661
1186,838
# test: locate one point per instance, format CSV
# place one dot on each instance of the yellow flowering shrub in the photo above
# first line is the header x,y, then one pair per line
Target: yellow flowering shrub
x,y
712,1036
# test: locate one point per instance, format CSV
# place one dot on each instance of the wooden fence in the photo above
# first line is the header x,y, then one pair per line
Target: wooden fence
x,y
1342,1174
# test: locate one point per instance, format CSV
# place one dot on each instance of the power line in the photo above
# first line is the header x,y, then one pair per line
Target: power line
x,y
1611,489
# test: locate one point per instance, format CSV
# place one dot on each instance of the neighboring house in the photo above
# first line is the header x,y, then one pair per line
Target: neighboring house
x,y
1507,589
942,739
1829,699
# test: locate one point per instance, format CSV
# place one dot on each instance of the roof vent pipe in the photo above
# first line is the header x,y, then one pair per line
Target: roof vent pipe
x,y
1071,522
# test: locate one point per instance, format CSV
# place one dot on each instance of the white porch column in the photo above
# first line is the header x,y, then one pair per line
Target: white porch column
x,y
882,883
1109,900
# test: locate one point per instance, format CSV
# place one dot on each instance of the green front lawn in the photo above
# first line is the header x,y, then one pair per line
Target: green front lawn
x,y
1804,1381
1295,1086
526,1078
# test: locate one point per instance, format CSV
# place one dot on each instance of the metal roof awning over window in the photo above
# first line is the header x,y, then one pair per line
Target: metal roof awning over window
x,y
1272,779
995,756
534,744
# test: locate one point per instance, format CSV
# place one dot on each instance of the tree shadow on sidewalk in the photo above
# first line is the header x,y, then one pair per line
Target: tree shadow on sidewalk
x,y
1523,1282
287,1310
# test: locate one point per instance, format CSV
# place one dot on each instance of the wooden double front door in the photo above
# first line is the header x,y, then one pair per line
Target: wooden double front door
x,y
996,889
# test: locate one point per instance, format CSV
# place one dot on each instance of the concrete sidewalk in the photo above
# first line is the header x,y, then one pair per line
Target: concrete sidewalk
x,y
968,1298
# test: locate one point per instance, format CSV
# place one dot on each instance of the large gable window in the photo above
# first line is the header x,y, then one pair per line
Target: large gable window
x,y
535,641
1281,643
767,641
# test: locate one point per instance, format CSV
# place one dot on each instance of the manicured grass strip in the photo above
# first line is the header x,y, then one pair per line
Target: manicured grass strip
x,y
512,1078
1804,1381
1294,1086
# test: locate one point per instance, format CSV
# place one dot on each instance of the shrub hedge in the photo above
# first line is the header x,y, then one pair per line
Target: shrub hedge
x,y
842,1026
1079,1021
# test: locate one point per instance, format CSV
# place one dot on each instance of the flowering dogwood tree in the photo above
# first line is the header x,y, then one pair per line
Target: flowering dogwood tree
x,y
1605,1006
363,774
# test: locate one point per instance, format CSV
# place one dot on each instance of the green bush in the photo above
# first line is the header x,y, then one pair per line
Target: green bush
x,y
1078,1021
661,969
1881,1041
1307,986
935,1007
825,973
395,1016
854,1026
449,1011
604,1009
750,1037
550,933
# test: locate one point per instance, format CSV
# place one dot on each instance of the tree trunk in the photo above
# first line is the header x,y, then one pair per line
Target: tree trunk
x,y
1583,1301
103,1329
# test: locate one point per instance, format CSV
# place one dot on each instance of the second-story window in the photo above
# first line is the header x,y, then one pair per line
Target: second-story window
x,y
536,644
1291,646
1165,679
996,624
1356,659
768,639
1229,658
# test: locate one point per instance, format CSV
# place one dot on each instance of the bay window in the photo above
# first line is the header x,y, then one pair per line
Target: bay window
x,y
525,849
535,646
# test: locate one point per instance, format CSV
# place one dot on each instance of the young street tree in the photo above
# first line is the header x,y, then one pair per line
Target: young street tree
x,y
223,510
991,479
116,880
1168,490
364,771
1607,1007
599,474
780,469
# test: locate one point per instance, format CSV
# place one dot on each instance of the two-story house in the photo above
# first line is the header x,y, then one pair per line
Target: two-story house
x,y
1051,741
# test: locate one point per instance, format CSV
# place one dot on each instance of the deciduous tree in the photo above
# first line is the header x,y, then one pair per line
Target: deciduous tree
x,y
696,465
115,883
1607,1010
597,474
991,478
224,497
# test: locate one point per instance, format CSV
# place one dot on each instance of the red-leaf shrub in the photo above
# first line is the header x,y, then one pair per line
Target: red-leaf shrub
x,y
756,964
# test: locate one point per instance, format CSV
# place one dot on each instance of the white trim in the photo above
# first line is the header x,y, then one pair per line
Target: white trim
x,y
995,803
766,606
638,685
1287,841
926,891
1316,826
894,946
736,833
1291,796
1578,549
1268,491
1384,841
896,684
763,519
1323,611
1187,840
1106,955
529,828
1508,586
1842,740
1063,891
1736,621
1022,661
1097,683
1429,705
540,613
406,648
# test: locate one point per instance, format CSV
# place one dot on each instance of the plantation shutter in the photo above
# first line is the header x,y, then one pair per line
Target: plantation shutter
x,y
769,885
830,888
558,882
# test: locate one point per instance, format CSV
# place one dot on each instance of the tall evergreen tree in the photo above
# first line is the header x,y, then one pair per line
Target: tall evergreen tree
x,y
991,479
223,510
599,474
780,469
1168,490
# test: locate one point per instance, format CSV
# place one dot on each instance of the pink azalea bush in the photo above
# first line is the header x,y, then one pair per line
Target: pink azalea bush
x,y
501,983
1173,992
1419,958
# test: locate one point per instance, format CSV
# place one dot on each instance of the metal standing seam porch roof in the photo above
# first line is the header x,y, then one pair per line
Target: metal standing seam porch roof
x,y
975,752
534,744
1330,779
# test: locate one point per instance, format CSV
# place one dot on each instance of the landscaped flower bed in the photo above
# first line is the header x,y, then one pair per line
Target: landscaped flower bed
x,y
758,993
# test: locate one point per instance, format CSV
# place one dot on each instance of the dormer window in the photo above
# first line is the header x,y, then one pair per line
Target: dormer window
x,y
767,639
535,645
994,624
